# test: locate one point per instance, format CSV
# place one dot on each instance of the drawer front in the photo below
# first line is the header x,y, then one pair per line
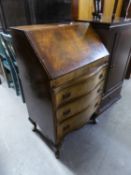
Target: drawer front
x,y
82,87
77,121
86,70
79,105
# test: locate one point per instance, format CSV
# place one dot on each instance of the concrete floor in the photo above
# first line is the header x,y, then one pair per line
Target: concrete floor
x,y
102,149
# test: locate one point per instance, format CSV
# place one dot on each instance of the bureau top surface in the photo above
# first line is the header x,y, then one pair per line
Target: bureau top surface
x,y
64,48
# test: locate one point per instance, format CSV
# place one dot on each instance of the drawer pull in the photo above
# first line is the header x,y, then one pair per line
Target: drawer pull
x,y
67,95
65,113
65,128
101,76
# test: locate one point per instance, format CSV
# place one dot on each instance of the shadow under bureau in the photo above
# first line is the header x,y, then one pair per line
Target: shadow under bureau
x,y
63,69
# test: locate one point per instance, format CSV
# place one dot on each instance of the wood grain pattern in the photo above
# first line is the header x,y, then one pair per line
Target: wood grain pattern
x,y
77,121
65,48
80,87
73,76
80,104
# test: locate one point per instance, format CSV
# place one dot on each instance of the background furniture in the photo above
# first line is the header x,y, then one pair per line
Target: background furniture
x,y
23,12
5,63
85,8
8,63
63,81
116,36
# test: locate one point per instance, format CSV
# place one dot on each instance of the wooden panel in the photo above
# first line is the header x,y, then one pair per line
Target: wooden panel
x,y
77,121
81,87
75,9
108,7
35,86
80,104
120,59
119,8
115,35
86,8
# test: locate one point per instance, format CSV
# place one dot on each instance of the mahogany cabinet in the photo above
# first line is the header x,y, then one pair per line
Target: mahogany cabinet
x,y
116,35
22,12
63,70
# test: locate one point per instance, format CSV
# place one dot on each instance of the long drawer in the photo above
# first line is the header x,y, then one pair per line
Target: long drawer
x,y
80,104
81,87
86,70
77,121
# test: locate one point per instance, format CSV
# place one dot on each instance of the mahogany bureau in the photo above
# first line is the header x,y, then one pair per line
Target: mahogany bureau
x,y
63,70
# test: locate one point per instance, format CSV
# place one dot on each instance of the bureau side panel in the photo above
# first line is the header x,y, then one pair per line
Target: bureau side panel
x,y
35,85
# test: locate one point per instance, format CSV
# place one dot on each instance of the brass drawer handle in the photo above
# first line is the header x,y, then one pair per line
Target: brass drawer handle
x,y
65,128
101,76
65,113
66,96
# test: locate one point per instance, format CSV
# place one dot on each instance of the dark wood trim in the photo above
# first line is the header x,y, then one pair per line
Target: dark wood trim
x,y
114,9
75,9
103,3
